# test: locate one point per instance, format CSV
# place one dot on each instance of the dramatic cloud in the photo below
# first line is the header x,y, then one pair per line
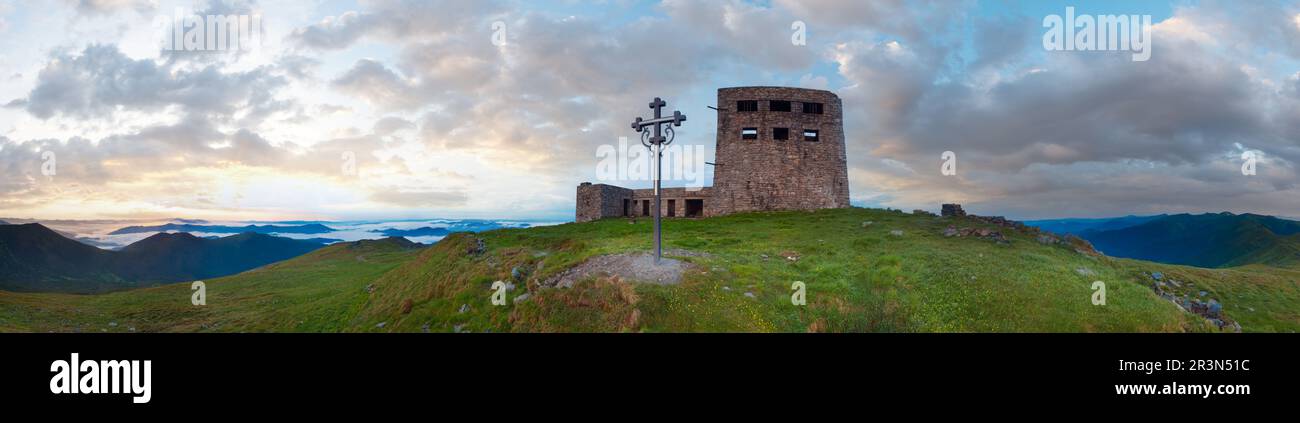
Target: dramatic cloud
x,y
396,20
100,80
457,108
97,7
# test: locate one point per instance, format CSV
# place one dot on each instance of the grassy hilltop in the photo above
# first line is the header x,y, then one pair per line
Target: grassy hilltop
x,y
897,273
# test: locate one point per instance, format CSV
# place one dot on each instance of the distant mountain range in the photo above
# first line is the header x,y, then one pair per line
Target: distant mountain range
x,y
424,231
1203,240
314,228
35,258
1079,226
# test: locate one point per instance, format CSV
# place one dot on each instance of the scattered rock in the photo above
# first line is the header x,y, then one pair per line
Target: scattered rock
x,y
459,328
750,295
381,325
1046,239
521,298
726,288
112,324
463,308
1215,308
1212,310
424,328
476,247
896,232
992,235
518,273
868,223
1081,246
790,255
1084,271
370,288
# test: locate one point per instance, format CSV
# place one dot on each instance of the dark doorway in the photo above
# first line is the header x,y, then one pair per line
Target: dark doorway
x,y
672,208
645,207
625,206
694,208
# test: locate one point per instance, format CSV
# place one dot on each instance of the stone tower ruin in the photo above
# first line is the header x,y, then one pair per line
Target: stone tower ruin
x,y
778,148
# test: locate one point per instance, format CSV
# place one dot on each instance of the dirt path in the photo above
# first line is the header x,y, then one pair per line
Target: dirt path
x,y
634,267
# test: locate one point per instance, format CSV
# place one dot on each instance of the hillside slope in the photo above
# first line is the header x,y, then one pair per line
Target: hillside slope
x,y
860,277
34,258
316,292
178,257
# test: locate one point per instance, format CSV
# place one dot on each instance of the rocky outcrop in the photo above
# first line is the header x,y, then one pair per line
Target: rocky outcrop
x,y
1189,299
955,212
983,233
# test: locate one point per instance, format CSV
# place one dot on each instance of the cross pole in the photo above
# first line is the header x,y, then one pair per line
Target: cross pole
x,y
656,144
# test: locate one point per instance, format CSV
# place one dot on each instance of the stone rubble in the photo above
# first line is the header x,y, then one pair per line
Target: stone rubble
x,y
954,211
1211,310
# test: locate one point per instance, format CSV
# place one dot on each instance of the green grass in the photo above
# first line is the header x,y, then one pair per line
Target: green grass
x,y
859,279
317,292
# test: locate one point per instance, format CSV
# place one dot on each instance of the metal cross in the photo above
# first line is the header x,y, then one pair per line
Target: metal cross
x,y
656,144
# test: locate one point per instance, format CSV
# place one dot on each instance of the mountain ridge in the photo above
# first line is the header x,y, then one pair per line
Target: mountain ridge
x,y
313,228
1211,240
36,258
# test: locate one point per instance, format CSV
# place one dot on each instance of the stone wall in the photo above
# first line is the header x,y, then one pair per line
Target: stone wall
x,y
596,201
770,174
679,197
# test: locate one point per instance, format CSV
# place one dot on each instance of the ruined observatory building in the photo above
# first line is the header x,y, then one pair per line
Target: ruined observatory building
x,y
778,148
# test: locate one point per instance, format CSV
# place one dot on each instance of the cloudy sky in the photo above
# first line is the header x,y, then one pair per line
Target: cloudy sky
x,y
437,117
